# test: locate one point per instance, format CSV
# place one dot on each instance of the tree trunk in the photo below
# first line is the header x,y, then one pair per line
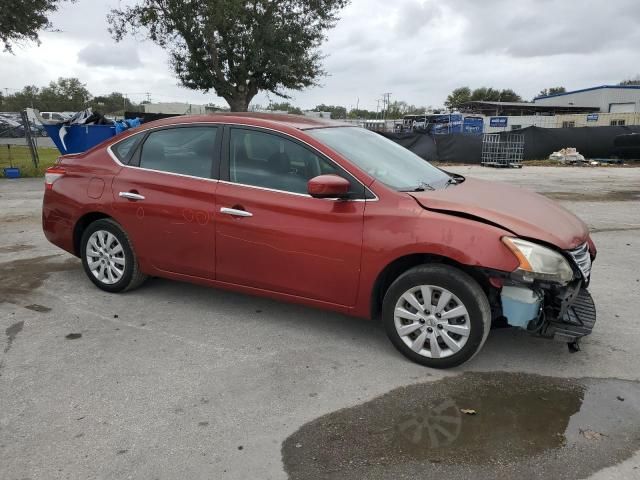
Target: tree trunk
x,y
239,103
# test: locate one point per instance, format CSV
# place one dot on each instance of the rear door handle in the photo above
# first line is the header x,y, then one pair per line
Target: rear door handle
x,y
131,195
235,212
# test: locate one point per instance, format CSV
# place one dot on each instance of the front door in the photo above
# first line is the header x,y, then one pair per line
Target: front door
x,y
165,199
271,235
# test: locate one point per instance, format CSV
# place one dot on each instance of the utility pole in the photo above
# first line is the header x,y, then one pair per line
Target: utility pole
x,y
386,101
148,97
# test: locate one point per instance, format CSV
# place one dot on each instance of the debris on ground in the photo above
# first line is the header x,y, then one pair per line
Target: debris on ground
x,y
620,398
38,308
567,155
468,411
592,435
73,336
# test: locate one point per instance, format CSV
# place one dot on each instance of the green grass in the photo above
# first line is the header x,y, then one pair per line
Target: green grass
x,y
19,156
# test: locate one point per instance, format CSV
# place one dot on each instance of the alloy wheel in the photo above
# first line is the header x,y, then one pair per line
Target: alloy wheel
x,y
432,321
105,257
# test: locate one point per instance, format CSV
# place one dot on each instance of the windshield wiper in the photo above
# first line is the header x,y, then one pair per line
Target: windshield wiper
x,y
421,187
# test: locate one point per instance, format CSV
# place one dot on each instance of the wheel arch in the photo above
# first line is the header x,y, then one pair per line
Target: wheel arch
x,y
401,264
82,224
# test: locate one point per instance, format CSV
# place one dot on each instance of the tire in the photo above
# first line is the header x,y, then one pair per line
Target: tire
x,y
466,332
117,269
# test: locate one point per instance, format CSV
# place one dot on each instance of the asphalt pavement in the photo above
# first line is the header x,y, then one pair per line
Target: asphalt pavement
x,y
180,381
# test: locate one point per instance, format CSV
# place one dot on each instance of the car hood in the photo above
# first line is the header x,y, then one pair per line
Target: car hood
x,y
519,210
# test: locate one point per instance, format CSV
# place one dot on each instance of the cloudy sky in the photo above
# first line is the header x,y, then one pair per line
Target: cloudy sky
x,y
419,50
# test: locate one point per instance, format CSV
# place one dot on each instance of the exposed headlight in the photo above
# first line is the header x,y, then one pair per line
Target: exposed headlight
x,y
538,262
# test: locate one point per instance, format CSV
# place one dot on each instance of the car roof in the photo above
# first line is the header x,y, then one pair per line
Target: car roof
x,y
274,120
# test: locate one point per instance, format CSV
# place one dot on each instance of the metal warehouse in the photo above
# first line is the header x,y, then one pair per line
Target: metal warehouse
x,y
606,98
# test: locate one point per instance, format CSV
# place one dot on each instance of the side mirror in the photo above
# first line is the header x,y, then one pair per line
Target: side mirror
x,y
328,186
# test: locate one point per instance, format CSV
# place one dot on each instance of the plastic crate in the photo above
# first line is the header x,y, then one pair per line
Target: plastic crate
x,y
11,172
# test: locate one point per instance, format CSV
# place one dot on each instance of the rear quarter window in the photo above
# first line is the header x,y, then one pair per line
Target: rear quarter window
x,y
125,148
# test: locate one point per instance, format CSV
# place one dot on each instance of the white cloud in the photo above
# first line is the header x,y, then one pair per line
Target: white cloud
x,y
102,55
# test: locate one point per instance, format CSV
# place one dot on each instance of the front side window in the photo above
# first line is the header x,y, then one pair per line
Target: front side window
x,y
183,150
271,161
383,159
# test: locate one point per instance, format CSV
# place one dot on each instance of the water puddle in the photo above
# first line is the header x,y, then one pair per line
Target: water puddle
x,y
524,426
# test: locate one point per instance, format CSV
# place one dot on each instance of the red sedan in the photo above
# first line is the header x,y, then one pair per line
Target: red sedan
x,y
328,215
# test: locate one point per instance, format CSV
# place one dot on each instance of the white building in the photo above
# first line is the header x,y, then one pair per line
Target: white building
x,y
313,114
607,98
175,108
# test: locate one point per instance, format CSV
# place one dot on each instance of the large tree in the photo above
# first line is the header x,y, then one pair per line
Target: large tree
x,y
458,97
21,20
236,47
65,94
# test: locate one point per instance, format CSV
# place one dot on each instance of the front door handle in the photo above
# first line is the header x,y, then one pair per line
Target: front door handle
x,y
131,195
235,212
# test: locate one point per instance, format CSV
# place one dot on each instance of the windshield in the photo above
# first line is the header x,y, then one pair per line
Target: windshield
x,y
383,159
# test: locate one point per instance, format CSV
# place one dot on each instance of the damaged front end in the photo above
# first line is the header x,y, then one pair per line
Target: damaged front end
x,y
548,297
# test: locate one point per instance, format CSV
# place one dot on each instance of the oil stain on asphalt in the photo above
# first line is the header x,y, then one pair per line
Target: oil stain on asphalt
x,y
605,196
21,277
11,333
524,426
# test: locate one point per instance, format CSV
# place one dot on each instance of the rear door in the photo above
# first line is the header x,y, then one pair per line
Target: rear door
x,y
165,198
271,235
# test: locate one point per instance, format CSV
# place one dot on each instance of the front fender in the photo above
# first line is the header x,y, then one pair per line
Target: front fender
x,y
388,238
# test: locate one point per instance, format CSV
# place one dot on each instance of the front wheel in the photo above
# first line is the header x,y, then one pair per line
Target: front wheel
x,y
108,257
436,315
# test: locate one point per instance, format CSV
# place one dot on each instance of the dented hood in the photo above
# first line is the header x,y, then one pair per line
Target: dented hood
x,y
521,211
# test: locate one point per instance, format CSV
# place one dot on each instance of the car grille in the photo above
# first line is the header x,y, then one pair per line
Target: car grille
x,y
582,258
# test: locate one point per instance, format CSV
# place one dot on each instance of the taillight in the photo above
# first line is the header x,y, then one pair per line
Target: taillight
x,y
52,174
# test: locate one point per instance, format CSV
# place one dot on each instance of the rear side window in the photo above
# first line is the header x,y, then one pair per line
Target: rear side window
x,y
184,150
125,148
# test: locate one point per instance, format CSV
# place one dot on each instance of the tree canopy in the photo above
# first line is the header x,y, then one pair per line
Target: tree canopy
x,y
338,112
631,81
551,91
236,48
285,107
463,95
65,95
23,19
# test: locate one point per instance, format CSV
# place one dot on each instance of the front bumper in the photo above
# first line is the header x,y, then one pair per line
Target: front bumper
x,y
576,319
564,313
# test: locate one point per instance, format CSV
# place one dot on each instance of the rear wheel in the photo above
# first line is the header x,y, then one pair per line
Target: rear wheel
x,y
108,258
436,315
